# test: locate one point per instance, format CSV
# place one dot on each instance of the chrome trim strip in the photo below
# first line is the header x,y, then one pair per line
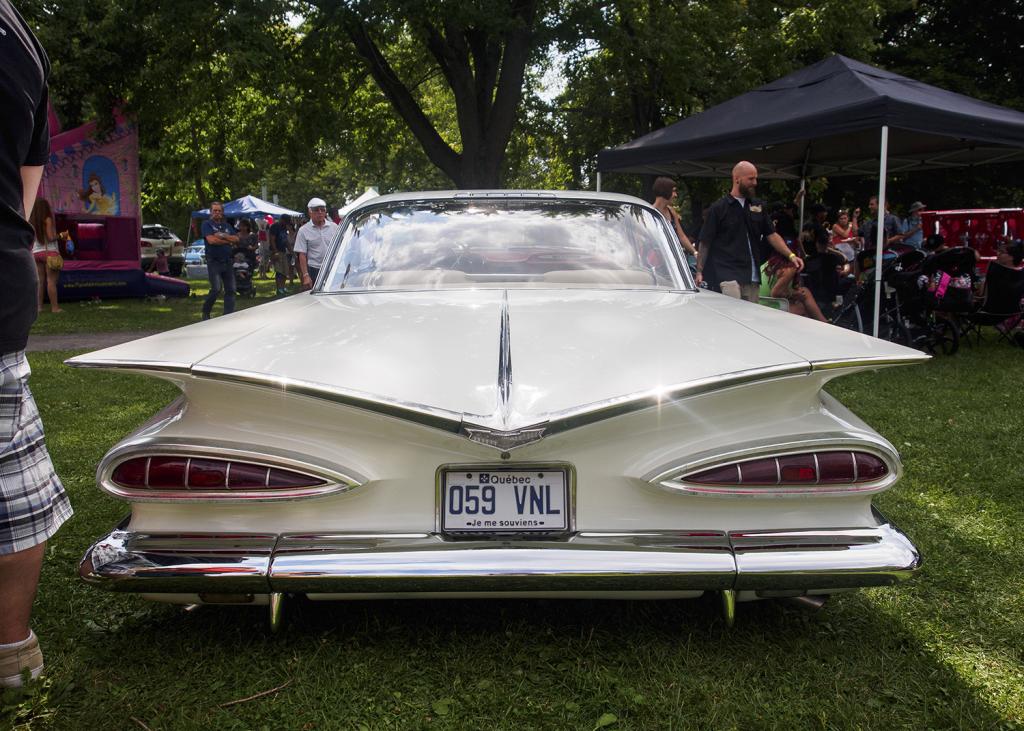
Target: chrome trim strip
x,y
570,474
513,435
338,480
668,562
869,361
185,563
799,559
431,416
669,476
83,361
505,364
841,559
558,421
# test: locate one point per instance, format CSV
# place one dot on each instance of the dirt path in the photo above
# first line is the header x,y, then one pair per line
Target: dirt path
x,y
83,341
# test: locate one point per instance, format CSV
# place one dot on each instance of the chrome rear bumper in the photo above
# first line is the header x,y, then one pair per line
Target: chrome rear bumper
x,y
796,560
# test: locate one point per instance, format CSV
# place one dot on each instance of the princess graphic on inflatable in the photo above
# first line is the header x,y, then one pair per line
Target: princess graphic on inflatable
x,y
96,199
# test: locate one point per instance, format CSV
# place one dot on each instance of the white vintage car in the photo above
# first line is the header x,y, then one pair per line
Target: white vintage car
x,y
501,394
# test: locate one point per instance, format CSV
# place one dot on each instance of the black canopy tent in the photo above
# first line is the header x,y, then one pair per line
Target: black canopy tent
x,y
836,117
824,120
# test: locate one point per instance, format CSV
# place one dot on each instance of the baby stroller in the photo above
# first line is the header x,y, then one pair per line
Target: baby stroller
x,y
243,276
858,308
930,296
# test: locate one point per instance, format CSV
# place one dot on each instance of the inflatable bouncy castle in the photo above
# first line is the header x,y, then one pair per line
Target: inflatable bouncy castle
x,y
92,184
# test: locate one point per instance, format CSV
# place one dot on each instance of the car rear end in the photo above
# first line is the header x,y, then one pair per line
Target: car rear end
x,y
501,415
157,238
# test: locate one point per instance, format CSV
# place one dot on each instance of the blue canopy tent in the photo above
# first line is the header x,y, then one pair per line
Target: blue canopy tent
x,y
249,206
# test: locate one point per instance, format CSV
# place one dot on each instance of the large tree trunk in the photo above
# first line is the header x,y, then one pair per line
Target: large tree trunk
x,y
485,72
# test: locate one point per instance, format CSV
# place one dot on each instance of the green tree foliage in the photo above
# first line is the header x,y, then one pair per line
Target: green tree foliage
x,y
973,48
325,97
206,81
639,65
453,71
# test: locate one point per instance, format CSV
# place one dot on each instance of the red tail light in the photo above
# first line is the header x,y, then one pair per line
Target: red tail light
x,y
201,474
811,468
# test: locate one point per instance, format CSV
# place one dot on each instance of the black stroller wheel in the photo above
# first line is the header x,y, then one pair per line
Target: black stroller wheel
x,y
892,329
943,338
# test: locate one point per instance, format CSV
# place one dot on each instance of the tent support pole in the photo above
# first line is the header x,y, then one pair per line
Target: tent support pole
x,y
803,187
880,225
599,181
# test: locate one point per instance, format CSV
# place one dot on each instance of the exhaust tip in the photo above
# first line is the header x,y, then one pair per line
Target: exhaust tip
x,y
806,603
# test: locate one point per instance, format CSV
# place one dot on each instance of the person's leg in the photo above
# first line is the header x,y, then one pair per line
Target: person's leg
x,y
214,274
731,289
19,578
280,271
41,278
229,289
51,289
314,272
810,305
33,506
796,307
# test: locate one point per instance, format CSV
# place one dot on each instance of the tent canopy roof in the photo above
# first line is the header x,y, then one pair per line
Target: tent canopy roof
x,y
829,116
247,207
366,195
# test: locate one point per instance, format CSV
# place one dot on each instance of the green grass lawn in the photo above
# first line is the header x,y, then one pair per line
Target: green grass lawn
x,y
943,651
112,315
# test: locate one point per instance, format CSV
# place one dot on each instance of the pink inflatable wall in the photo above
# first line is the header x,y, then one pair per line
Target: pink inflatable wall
x,y
87,175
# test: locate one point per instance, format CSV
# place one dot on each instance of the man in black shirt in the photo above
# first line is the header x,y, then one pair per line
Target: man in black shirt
x,y
731,240
33,504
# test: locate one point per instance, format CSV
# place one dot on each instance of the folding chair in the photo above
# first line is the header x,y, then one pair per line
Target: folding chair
x,y
1004,288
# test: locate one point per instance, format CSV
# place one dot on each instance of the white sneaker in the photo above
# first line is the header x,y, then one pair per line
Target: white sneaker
x,y
16,658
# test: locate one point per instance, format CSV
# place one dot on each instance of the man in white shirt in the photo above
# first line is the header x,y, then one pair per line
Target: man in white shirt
x,y
313,240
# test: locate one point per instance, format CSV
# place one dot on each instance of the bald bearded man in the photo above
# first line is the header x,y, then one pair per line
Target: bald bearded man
x,y
729,259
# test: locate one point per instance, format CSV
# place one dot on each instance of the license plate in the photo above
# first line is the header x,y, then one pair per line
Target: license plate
x,y
504,501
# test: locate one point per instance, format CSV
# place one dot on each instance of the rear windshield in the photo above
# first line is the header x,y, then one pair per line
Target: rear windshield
x,y
156,232
527,243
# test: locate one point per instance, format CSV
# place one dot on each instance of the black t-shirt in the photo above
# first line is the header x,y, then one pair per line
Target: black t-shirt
x,y
279,236
734,234
24,141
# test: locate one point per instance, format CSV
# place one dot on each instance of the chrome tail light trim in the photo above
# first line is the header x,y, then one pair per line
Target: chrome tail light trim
x,y
338,480
671,477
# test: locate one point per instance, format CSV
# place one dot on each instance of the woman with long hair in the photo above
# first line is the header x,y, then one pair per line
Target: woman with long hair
x,y
783,282
665,194
43,247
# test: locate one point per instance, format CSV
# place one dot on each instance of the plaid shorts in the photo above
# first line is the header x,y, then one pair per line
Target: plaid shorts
x,y
33,504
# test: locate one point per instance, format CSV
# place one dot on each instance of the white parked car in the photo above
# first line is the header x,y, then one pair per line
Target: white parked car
x,y
156,237
501,394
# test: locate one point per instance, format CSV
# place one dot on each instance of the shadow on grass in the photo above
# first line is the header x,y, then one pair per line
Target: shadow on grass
x,y
510,664
940,652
